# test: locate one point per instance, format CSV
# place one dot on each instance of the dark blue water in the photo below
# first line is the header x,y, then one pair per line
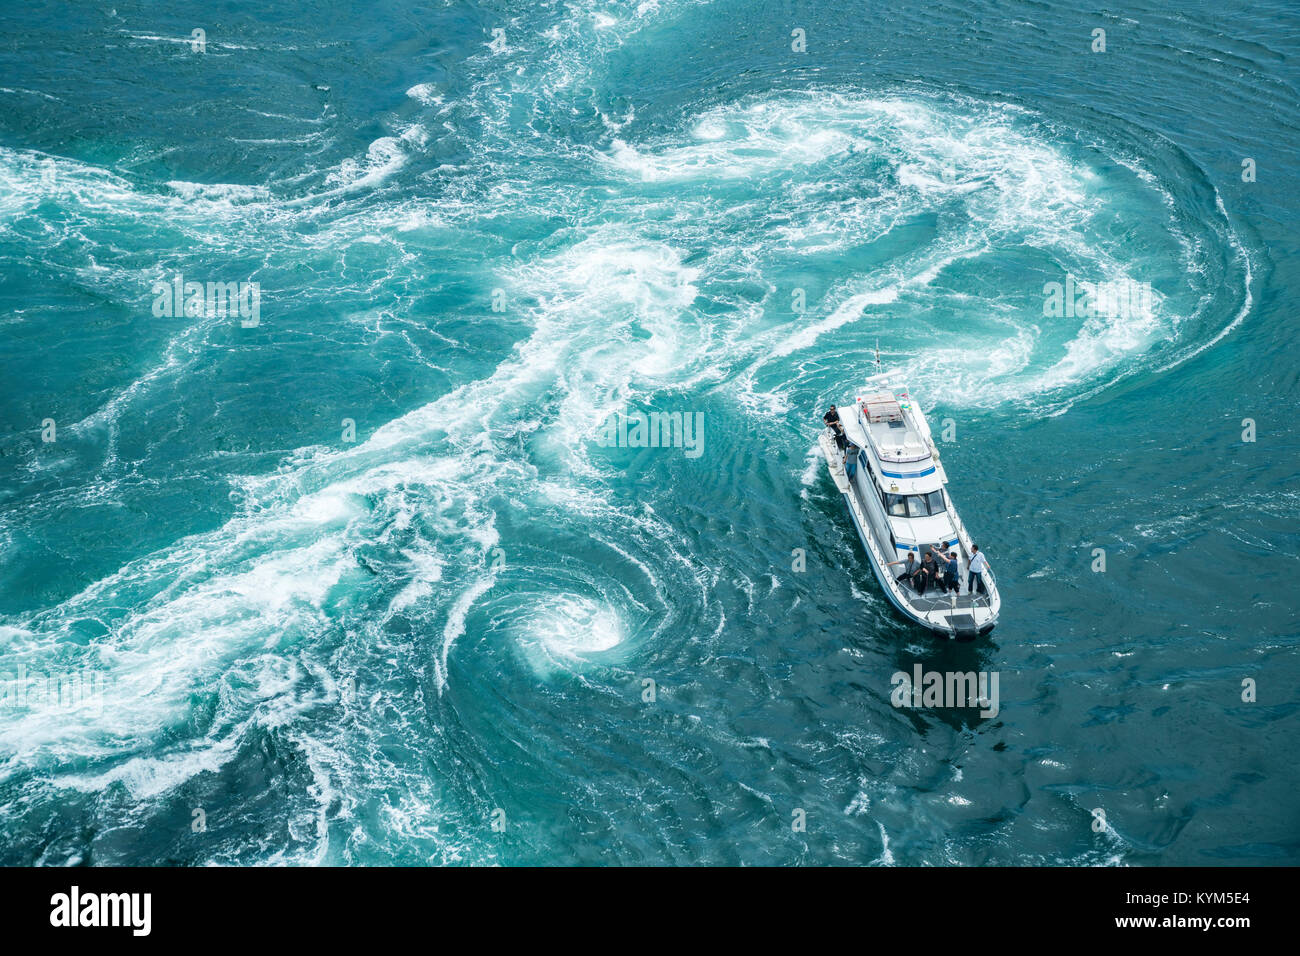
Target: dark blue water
x,y
359,582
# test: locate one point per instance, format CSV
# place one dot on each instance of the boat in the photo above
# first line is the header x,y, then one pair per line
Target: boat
x,y
898,501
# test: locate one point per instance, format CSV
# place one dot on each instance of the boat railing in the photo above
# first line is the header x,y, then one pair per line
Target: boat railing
x,y
855,501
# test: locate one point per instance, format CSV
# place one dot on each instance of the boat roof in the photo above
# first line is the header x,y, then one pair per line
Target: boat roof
x,y
891,426
898,435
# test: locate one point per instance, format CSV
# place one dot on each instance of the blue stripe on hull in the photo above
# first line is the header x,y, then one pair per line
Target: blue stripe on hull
x,y
911,547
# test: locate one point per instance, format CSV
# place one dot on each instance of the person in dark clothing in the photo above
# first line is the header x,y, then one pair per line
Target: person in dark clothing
x,y
832,420
920,580
936,555
928,572
951,582
940,561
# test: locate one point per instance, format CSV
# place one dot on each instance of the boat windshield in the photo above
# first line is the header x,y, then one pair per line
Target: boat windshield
x,y
915,506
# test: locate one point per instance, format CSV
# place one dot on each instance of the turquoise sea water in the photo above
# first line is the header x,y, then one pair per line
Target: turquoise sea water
x,y
433,641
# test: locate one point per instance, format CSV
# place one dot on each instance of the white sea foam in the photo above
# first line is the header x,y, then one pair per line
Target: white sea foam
x,y
564,630
426,93
1016,185
383,158
848,311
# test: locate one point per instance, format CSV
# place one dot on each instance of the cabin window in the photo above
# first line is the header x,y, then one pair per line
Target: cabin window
x,y
914,506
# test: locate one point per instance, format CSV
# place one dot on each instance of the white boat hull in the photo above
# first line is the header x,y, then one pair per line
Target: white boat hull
x,y
953,615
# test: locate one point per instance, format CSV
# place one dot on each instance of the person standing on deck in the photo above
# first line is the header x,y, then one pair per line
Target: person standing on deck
x,y
850,460
940,560
978,565
951,581
832,420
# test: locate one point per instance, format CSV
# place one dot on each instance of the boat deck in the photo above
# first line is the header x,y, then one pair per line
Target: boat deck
x,y
934,600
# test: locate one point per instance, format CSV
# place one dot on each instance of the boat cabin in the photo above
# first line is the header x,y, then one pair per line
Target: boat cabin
x,y
902,468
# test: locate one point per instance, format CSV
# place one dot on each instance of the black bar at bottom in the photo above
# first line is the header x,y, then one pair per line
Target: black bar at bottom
x,y
916,905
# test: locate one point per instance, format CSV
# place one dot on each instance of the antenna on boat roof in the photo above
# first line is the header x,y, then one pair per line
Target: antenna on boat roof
x,y
877,356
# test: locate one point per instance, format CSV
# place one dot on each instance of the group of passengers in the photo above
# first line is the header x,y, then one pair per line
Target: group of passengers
x,y
939,570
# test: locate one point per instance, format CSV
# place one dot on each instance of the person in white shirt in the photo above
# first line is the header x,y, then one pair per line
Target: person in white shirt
x,y
978,565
